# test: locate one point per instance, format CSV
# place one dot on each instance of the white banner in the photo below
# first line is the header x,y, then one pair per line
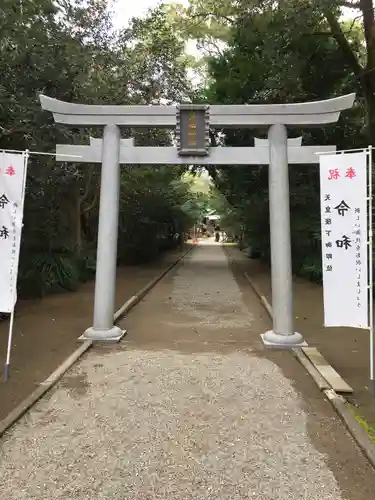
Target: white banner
x,y
343,195
12,176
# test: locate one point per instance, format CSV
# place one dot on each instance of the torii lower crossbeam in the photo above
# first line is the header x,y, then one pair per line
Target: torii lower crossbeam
x,y
169,156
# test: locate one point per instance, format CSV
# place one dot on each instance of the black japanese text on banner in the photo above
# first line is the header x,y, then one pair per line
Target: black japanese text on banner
x,y
343,193
12,172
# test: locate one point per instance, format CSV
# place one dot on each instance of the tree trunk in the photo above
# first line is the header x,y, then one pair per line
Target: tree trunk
x,y
369,72
366,75
369,90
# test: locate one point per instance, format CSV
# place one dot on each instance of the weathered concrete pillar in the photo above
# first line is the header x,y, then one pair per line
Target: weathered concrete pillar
x,y
105,283
281,257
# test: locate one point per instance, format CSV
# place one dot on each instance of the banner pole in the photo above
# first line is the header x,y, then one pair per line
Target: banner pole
x,y
10,335
371,285
11,322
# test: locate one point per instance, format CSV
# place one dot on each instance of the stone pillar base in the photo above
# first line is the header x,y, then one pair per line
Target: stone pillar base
x,y
112,335
272,339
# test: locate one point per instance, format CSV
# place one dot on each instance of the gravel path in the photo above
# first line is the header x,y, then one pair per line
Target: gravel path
x,y
133,422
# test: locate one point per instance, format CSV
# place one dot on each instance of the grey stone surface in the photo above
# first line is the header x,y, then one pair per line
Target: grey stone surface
x,y
292,142
106,253
144,155
212,298
138,423
237,115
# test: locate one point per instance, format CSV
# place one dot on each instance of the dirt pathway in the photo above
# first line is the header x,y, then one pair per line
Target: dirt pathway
x,y
189,406
46,330
346,349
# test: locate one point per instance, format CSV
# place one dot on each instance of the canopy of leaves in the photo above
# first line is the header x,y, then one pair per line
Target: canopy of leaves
x,y
276,54
254,50
70,51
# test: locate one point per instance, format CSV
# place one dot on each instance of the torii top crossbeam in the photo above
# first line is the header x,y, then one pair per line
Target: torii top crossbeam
x,y
308,114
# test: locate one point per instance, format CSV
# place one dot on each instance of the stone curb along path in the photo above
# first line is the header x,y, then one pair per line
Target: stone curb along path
x,y
338,402
55,376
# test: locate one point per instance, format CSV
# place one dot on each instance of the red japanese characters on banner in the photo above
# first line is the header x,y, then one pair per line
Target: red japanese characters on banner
x,y
12,177
343,185
9,170
335,174
350,173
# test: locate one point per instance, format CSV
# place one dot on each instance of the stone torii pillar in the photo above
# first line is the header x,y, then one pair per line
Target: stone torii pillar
x,y
281,261
275,117
105,292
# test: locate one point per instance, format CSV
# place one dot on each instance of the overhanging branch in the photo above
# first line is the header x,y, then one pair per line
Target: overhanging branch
x,y
205,15
343,43
350,5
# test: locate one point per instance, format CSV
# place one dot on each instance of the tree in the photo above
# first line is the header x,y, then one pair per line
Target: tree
x,y
68,50
273,56
361,65
154,63
212,22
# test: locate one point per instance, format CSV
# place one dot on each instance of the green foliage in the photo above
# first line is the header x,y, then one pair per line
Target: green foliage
x,y
255,51
68,50
369,428
230,216
275,56
155,205
46,273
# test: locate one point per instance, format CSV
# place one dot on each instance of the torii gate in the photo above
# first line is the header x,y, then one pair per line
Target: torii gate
x,y
192,123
